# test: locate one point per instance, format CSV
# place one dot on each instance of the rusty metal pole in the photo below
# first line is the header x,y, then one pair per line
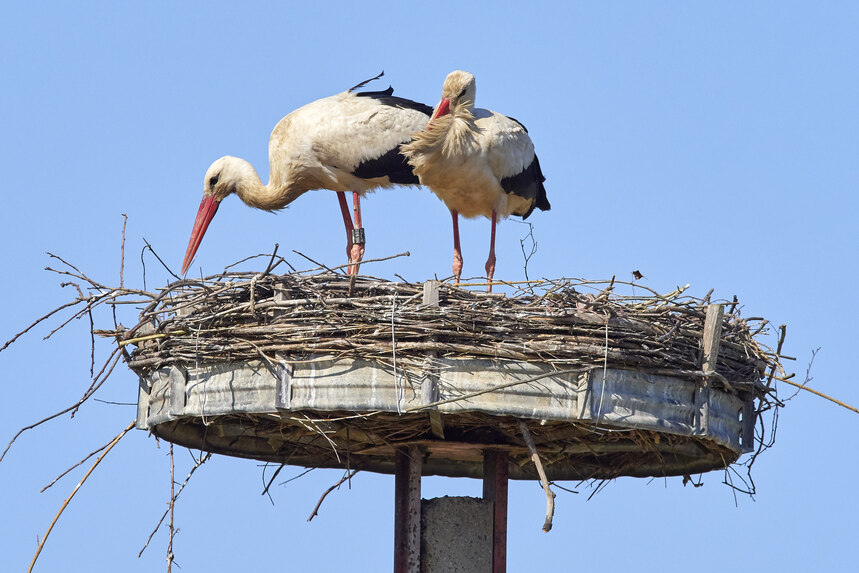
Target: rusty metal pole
x,y
495,474
407,510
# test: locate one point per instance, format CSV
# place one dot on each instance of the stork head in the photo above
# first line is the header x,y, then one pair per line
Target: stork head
x,y
459,89
222,179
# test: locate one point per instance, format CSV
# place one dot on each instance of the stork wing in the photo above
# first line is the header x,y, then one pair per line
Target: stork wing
x,y
352,132
510,155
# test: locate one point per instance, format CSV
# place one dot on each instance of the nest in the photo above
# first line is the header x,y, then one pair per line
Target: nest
x,y
245,316
568,324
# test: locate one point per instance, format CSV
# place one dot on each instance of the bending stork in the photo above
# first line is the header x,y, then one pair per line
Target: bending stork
x,y
345,142
478,162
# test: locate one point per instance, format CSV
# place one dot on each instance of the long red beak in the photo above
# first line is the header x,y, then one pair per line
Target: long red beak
x,y
207,210
443,108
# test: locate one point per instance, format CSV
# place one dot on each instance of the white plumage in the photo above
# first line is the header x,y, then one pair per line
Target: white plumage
x,y
477,161
346,142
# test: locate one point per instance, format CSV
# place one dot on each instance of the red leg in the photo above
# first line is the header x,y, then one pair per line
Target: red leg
x,y
457,251
347,220
490,262
357,251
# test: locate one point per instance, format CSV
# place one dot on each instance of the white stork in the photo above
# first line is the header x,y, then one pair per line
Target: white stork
x,y
345,142
478,162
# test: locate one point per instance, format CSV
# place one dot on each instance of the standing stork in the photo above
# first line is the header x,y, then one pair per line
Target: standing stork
x,y
345,142
478,162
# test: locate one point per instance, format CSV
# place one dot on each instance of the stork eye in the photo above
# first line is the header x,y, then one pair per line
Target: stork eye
x,y
462,93
214,180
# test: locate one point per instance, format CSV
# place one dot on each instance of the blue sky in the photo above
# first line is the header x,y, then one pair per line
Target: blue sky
x,y
713,145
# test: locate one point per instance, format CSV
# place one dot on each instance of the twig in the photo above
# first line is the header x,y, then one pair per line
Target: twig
x,y
600,486
143,265
92,342
497,282
821,394
528,256
199,463
47,316
112,403
313,427
563,488
90,300
363,262
270,256
151,337
122,251
293,478
268,485
163,264
171,506
320,265
271,263
535,457
62,260
59,477
783,333
348,476
74,491
92,390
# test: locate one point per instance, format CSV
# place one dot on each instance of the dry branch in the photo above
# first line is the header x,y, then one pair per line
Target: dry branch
x,y
237,316
803,386
347,477
172,508
535,457
80,463
74,491
174,496
96,384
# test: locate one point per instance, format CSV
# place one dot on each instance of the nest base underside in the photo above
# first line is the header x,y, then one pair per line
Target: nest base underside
x,y
568,451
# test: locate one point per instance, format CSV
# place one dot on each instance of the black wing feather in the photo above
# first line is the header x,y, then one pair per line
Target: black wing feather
x,y
528,183
392,164
386,97
365,82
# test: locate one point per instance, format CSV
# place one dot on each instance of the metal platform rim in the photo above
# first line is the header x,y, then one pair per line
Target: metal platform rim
x,y
697,426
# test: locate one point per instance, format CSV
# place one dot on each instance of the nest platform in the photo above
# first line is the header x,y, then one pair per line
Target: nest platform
x,y
323,371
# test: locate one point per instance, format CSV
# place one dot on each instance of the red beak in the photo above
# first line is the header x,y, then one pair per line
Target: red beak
x,y
443,108
207,210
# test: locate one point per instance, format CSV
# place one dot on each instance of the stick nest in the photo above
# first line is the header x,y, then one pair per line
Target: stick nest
x,y
568,323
